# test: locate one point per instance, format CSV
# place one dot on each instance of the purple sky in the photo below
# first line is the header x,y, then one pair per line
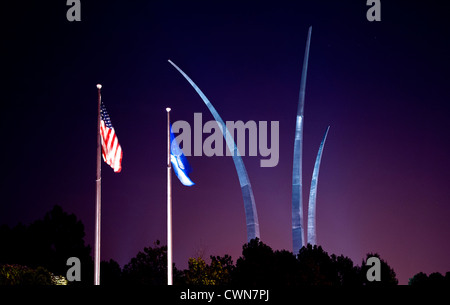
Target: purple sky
x,y
381,86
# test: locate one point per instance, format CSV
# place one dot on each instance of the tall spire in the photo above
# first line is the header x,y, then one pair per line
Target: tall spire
x,y
251,216
313,194
297,206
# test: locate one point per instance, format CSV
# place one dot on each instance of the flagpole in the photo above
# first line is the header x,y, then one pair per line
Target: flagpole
x,y
98,183
169,205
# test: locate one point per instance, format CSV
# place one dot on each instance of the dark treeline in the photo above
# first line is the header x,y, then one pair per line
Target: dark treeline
x,y
31,254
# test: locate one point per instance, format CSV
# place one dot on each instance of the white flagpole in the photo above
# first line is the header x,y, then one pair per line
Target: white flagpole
x,y
98,183
169,205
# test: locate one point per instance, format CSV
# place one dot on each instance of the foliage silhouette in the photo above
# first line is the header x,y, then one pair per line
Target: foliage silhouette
x,y
316,267
260,265
48,243
33,254
434,279
149,267
218,272
256,266
347,273
110,273
24,276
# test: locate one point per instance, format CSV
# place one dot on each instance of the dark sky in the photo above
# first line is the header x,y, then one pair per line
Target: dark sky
x,y
381,86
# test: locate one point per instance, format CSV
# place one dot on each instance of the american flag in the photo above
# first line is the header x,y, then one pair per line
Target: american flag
x,y
111,150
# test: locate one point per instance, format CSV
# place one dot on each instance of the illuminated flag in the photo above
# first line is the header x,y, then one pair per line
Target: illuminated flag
x,y
179,161
111,150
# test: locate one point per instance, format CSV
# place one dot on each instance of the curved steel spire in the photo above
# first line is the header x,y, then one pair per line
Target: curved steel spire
x,y
251,215
313,194
297,206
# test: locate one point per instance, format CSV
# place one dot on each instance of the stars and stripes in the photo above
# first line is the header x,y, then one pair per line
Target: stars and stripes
x,y
111,150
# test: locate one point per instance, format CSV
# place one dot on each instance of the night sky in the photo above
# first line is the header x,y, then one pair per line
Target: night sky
x,y
381,86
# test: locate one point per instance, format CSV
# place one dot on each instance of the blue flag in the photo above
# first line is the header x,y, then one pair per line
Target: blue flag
x,y
179,161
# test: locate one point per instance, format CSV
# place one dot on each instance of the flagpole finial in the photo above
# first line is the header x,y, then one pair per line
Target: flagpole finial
x,y
99,86
168,109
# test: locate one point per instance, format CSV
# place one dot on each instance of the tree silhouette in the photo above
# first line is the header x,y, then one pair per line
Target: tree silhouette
x,y
12,245
347,273
316,267
22,275
110,273
216,273
419,279
256,266
198,273
48,243
225,265
286,268
56,238
260,265
149,267
435,279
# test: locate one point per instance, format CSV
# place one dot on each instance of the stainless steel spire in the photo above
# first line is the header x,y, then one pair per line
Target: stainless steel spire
x,y
313,194
251,215
297,206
